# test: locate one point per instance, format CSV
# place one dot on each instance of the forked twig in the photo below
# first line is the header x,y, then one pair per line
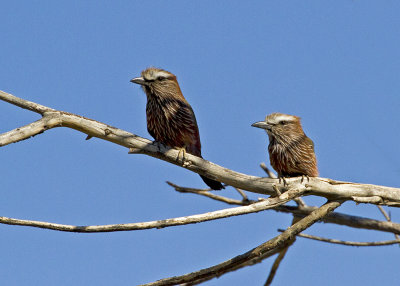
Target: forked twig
x,y
385,214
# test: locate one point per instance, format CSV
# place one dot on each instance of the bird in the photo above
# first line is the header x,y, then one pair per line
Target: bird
x,y
170,118
291,152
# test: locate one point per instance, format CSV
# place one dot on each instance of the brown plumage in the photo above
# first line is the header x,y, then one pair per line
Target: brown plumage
x,y
291,152
170,118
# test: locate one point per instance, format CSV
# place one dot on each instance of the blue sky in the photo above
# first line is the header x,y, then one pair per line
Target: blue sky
x,y
334,63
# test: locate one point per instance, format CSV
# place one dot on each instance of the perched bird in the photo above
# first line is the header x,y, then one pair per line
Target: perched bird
x,y
291,152
170,118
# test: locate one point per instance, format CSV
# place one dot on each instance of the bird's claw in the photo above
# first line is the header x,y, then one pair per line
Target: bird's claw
x,y
302,178
283,180
183,152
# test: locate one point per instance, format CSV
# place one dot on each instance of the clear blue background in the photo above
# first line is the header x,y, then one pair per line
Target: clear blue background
x,y
334,63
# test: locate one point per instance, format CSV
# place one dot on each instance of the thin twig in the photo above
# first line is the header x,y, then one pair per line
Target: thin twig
x,y
255,255
385,214
244,196
268,171
300,202
279,259
205,193
275,266
348,243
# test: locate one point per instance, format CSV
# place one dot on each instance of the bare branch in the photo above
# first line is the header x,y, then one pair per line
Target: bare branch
x,y
275,266
344,219
348,243
279,259
244,196
253,208
268,171
205,193
385,214
327,188
388,219
335,217
299,201
255,255
30,130
25,104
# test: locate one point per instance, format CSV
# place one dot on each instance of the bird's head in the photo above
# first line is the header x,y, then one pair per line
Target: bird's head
x,y
158,82
281,127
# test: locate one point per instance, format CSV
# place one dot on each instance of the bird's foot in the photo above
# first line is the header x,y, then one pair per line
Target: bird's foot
x,y
302,178
283,180
182,151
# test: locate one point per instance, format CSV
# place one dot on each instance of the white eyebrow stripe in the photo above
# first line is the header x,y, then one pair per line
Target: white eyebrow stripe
x,y
154,74
160,73
284,117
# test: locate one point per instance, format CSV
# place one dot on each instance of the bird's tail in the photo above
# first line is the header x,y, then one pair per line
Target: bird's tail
x,y
195,149
212,184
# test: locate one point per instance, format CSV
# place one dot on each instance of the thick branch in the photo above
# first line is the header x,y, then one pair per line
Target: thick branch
x,y
255,255
316,186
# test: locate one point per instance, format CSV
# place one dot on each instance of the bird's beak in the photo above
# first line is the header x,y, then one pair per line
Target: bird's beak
x,y
261,124
139,80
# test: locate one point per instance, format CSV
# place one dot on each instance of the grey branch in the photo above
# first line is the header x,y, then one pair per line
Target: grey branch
x,y
344,219
254,255
348,243
302,211
253,208
279,259
275,266
206,193
323,187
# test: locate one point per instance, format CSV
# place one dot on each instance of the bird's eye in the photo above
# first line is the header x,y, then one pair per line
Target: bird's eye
x,y
283,122
160,78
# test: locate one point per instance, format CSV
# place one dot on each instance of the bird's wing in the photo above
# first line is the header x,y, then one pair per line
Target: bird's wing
x,y
188,128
